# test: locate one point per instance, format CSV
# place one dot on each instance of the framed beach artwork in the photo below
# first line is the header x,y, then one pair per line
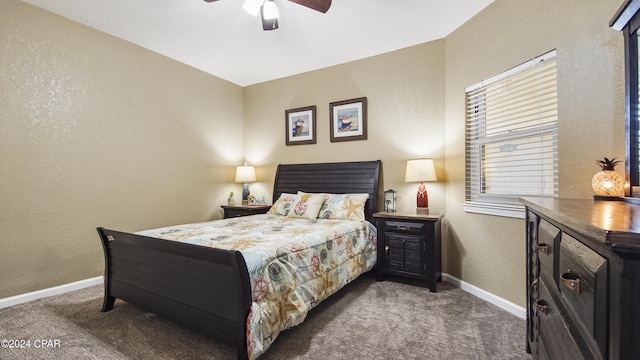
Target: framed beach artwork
x,y
348,120
300,125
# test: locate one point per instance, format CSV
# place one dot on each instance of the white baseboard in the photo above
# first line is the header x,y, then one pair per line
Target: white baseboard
x,y
57,290
506,305
471,289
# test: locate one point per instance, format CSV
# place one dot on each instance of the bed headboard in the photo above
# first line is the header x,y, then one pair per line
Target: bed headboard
x,y
336,178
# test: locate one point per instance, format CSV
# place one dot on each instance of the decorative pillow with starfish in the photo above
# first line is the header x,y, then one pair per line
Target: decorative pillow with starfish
x,y
306,205
344,207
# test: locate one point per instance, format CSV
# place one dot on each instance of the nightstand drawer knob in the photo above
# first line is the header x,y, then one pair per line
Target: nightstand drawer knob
x,y
386,250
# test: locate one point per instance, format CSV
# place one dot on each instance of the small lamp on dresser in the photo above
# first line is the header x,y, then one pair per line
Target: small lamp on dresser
x,y
245,174
421,170
607,183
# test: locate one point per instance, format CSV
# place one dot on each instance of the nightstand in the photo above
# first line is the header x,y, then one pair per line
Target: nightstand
x,y
409,246
244,210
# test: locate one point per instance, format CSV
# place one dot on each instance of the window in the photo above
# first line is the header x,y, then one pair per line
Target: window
x,y
511,138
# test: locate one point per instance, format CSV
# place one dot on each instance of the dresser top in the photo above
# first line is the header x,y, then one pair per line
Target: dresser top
x,y
612,223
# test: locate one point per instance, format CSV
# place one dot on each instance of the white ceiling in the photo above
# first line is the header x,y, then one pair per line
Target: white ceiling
x,y
222,39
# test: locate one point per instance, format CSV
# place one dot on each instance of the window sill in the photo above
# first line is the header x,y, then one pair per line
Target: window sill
x,y
511,211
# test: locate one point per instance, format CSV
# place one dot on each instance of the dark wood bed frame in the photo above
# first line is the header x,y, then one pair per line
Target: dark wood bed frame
x,y
206,289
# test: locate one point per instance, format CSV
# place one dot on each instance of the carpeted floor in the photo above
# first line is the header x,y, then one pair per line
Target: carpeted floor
x,y
365,320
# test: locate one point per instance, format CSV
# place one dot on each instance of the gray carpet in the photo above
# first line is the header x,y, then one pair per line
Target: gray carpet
x,y
365,320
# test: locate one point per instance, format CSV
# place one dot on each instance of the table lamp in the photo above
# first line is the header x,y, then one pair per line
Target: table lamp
x,y
421,170
245,174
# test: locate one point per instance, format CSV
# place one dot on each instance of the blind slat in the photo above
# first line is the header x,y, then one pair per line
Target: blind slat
x,y
511,134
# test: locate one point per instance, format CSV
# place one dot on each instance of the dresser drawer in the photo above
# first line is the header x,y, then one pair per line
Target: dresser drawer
x,y
548,238
583,285
404,227
553,335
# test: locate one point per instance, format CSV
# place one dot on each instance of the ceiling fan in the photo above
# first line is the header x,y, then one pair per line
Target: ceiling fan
x,y
269,11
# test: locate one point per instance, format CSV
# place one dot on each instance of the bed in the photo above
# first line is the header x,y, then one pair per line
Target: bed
x,y
212,290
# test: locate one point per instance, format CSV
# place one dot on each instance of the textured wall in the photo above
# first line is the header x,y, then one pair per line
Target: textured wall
x,y
488,251
405,93
95,131
89,122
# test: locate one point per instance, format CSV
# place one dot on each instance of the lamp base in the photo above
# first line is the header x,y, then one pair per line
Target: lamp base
x,y
422,210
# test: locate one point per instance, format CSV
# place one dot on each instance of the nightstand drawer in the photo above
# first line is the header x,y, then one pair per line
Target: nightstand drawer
x,y
236,211
404,227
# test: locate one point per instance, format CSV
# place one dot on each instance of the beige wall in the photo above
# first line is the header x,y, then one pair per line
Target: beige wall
x,y
94,122
405,94
489,251
95,131
406,118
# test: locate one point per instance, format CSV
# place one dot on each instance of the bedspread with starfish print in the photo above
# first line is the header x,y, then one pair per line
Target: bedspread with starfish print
x,y
293,264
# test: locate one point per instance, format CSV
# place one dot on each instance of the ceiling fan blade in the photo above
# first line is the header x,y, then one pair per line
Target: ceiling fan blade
x,y
210,0
318,5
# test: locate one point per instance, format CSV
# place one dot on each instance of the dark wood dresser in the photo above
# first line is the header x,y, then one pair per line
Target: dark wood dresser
x,y
583,279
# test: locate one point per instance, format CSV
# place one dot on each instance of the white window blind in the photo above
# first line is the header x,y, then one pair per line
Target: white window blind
x,y
511,138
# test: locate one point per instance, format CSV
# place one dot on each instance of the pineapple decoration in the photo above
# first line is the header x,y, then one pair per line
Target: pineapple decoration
x,y
607,182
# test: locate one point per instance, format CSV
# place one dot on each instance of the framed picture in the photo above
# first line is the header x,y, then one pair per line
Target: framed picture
x,y
300,125
348,120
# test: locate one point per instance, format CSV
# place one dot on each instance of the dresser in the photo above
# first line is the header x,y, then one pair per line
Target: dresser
x,y
409,246
583,279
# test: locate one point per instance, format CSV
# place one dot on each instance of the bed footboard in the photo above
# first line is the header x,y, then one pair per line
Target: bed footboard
x,y
205,289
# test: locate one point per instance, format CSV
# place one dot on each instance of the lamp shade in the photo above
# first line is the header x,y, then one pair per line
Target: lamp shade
x,y
245,174
420,170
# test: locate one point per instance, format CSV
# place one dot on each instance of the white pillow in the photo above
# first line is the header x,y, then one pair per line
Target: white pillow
x,y
306,205
344,207
283,204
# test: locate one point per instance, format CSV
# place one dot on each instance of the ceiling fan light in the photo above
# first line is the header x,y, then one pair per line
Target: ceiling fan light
x,y
269,24
252,6
269,10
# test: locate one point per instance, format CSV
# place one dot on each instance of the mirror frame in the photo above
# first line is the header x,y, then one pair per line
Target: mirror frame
x,y
627,20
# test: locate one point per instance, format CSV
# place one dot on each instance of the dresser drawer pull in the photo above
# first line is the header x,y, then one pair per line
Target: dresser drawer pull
x,y
403,228
544,248
533,284
571,281
542,306
386,250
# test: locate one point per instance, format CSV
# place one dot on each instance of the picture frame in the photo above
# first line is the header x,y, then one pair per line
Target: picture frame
x,y
300,125
348,120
